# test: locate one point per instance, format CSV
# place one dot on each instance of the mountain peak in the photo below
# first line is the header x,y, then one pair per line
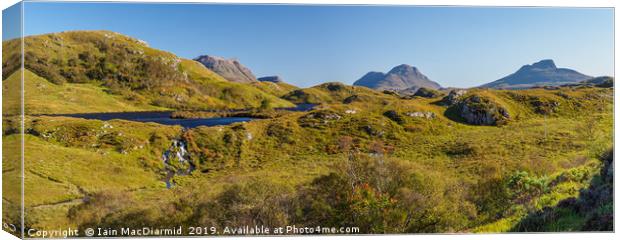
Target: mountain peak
x,y
545,64
401,77
230,69
541,73
403,69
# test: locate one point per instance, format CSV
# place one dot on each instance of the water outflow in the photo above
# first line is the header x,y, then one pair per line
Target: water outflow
x,y
177,161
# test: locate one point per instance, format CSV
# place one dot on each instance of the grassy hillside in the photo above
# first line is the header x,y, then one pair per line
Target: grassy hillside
x,y
126,69
277,89
43,96
335,92
362,158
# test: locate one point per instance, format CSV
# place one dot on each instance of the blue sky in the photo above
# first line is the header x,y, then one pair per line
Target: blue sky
x,y
308,45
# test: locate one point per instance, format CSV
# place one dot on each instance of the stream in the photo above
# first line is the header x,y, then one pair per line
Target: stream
x,y
176,158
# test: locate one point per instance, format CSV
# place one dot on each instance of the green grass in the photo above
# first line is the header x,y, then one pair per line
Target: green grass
x,y
276,89
73,172
43,97
345,163
336,92
113,71
283,151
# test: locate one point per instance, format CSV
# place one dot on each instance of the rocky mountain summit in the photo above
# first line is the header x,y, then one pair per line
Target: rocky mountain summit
x,y
230,69
401,77
542,73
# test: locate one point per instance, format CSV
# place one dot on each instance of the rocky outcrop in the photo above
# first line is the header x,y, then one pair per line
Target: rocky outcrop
x,y
401,77
334,86
230,69
427,93
452,97
475,109
394,116
357,98
319,118
478,110
427,115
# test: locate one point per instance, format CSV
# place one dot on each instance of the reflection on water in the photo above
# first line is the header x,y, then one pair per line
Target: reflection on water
x,y
161,118
164,117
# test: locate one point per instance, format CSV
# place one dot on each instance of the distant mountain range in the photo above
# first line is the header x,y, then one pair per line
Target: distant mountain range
x,y
114,72
273,79
401,77
542,73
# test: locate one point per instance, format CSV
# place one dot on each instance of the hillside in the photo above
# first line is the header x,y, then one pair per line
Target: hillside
x,y
401,77
275,88
435,161
603,81
368,161
542,73
46,97
335,92
127,70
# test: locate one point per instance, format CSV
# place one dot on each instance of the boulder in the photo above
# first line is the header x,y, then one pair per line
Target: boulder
x,y
394,116
427,115
427,93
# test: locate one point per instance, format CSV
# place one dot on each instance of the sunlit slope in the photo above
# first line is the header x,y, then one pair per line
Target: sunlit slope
x,y
126,69
42,96
411,151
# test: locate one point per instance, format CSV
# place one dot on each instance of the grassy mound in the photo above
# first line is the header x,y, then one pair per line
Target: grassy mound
x,y
480,110
335,93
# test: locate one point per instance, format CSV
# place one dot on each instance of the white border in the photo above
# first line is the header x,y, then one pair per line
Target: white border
x,y
523,3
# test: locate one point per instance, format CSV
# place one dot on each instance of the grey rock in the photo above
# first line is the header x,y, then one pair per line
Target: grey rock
x,y
372,131
427,115
481,111
230,69
394,116
427,93
452,97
